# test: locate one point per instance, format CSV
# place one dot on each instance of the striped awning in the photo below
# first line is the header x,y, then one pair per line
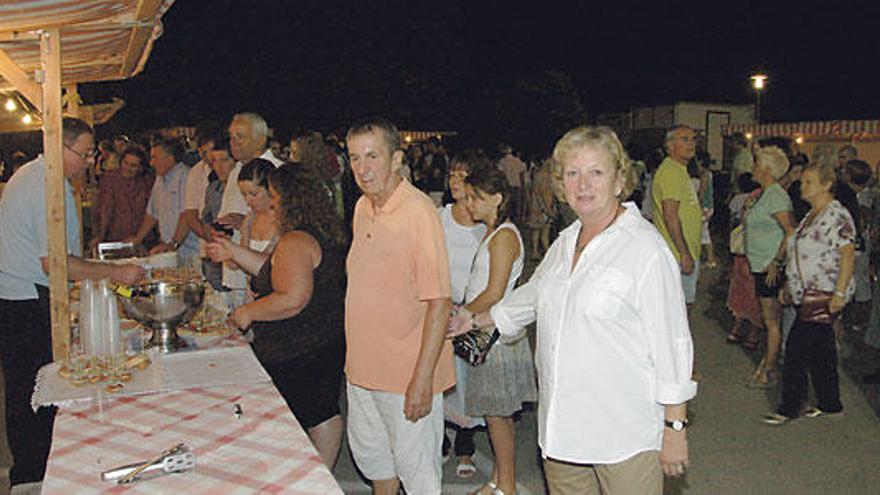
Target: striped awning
x,y
101,40
416,136
831,128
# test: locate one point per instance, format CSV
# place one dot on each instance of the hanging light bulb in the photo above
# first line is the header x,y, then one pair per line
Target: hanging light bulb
x,y
10,105
27,119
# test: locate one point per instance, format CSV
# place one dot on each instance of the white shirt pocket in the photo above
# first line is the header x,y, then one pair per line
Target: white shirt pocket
x,y
604,293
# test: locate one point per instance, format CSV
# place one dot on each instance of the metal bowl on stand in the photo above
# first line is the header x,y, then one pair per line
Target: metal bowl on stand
x,y
163,306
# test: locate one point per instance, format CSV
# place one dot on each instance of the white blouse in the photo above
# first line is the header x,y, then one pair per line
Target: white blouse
x,y
461,246
613,342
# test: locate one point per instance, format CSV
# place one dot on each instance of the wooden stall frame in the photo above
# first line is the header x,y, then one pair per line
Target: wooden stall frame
x,y
50,62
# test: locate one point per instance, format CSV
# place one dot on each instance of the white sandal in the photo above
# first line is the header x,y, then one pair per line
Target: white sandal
x,y
465,470
492,486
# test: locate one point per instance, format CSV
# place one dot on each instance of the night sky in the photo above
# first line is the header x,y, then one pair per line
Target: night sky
x,y
469,66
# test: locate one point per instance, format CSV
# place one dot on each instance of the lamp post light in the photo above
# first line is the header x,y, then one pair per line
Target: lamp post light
x,y
759,81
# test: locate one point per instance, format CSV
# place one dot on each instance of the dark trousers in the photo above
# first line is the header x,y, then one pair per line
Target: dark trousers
x,y
810,350
464,441
25,346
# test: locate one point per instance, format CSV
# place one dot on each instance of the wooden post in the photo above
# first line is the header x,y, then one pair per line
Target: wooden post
x,y
50,61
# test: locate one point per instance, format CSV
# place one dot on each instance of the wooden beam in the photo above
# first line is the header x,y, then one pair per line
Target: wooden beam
x,y
50,61
22,82
71,95
19,36
146,12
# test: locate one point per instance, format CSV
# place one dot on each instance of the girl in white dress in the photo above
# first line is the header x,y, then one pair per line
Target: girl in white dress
x,y
497,388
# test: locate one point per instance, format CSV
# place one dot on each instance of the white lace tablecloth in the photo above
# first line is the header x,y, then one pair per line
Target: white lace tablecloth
x,y
213,367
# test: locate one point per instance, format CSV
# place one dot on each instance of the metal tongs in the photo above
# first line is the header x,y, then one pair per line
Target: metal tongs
x,y
174,460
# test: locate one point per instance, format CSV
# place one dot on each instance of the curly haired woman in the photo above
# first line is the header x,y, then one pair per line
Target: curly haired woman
x,y
300,289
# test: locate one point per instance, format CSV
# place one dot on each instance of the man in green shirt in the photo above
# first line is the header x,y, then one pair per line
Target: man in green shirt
x,y
677,212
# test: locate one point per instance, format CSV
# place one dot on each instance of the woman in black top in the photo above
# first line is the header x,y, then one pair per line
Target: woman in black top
x,y
297,317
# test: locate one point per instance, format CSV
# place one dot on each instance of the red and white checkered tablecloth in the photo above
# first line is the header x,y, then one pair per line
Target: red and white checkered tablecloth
x,y
265,451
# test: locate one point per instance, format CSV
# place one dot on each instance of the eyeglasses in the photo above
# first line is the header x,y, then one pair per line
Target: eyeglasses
x,y
85,156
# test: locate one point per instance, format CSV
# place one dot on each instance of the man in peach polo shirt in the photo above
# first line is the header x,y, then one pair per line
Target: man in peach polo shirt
x,y
398,363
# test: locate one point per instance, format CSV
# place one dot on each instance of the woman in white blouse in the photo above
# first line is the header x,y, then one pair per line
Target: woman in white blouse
x,y
463,238
614,352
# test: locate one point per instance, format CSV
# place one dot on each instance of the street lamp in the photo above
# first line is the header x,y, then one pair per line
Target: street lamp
x,y
758,83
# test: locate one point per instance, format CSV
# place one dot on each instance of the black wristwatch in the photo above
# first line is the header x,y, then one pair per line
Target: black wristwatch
x,y
677,425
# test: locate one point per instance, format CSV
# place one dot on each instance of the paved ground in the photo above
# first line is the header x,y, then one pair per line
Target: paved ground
x,y
731,452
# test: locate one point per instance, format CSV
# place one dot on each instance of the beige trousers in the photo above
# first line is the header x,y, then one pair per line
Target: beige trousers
x,y
638,475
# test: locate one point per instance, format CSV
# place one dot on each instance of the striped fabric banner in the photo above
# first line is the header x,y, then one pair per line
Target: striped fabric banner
x,y
836,128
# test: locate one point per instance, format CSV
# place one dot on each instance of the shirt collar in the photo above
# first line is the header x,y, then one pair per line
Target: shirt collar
x,y
626,220
395,200
676,162
172,174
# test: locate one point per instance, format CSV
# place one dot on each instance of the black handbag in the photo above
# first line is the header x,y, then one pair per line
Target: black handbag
x,y
475,345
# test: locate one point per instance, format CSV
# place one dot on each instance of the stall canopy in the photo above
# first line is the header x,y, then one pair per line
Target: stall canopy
x,y
101,40
47,45
840,129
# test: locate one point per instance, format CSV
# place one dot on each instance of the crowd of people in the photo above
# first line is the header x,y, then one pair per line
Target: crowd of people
x,y
803,267
354,262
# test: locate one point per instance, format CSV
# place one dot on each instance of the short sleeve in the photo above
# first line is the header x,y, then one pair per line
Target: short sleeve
x,y
661,186
843,229
429,257
670,188
41,229
194,188
152,207
780,202
183,182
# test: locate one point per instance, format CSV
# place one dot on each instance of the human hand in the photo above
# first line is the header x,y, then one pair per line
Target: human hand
x,y
219,249
836,304
772,273
674,453
784,298
459,323
242,318
686,264
233,220
160,248
418,398
128,274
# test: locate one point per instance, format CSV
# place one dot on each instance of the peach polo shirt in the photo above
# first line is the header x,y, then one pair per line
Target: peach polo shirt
x,y
397,263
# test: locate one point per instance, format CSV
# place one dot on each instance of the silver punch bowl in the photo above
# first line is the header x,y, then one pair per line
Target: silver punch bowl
x,y
163,306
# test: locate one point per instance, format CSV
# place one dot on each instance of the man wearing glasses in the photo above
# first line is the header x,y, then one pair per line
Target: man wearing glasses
x,y
25,336
677,212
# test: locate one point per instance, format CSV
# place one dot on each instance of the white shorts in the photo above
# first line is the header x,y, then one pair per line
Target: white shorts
x,y
689,283
385,445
